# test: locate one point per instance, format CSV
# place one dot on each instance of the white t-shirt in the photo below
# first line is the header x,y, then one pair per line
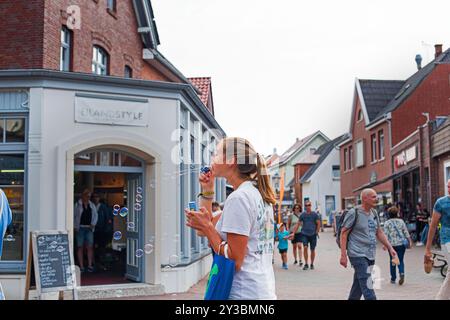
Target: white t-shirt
x,y
245,213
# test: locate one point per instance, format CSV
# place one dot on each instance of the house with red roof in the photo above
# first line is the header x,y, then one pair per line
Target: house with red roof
x,y
385,114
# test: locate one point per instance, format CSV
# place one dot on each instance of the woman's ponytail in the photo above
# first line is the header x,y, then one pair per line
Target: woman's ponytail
x,y
263,181
250,165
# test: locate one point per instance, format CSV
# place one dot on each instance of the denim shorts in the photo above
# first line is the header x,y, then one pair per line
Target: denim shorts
x,y
309,240
84,235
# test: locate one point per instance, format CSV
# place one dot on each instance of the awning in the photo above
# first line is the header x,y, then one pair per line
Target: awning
x,y
391,177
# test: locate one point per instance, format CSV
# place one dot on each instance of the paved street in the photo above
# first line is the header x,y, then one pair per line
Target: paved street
x,y
331,281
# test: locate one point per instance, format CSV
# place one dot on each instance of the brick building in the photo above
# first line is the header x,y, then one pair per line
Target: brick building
x,y
385,126
440,154
92,103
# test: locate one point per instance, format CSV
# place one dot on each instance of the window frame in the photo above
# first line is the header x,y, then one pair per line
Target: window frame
x,y
68,46
350,158
98,65
336,168
373,147
360,116
127,68
112,8
8,267
345,156
359,164
381,148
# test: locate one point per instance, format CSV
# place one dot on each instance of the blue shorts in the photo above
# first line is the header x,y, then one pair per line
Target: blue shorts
x,y
84,235
309,240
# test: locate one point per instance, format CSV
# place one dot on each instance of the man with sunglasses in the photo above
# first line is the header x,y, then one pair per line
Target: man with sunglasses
x,y
310,223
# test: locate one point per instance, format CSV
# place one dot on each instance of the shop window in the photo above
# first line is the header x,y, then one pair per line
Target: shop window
x,y
12,130
107,159
12,182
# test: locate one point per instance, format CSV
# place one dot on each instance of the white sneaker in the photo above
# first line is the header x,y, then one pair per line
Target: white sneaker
x,y
419,244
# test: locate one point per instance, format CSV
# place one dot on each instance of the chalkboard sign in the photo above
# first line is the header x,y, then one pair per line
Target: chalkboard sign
x,y
50,262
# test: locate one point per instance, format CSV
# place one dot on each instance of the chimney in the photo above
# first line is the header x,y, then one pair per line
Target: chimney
x,y
419,61
438,50
297,140
274,150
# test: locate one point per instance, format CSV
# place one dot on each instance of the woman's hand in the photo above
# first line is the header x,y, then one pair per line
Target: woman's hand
x,y
198,220
207,181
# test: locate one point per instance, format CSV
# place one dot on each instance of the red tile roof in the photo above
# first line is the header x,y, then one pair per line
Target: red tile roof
x,y
204,85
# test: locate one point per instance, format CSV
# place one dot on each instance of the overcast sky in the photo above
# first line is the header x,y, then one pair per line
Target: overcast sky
x,y
284,69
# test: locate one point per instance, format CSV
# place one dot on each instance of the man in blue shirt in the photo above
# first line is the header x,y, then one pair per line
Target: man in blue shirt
x,y
310,223
441,213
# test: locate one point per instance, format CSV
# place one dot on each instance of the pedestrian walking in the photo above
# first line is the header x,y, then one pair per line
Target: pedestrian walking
x,y
441,214
309,221
358,239
283,236
85,220
296,240
398,235
246,226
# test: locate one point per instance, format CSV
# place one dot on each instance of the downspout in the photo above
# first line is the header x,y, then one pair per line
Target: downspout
x,y
389,120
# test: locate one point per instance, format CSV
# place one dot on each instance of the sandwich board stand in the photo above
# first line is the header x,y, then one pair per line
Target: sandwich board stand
x,y
50,264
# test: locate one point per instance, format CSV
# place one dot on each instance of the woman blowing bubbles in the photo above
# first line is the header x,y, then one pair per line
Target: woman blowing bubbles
x,y
246,223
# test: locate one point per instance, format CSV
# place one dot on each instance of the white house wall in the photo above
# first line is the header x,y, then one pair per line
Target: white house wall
x,y
322,184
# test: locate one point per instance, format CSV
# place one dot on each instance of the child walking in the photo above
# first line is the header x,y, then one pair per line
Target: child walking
x,y
283,236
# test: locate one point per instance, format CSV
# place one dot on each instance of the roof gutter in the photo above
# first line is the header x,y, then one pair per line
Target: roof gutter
x,y
386,117
156,59
350,137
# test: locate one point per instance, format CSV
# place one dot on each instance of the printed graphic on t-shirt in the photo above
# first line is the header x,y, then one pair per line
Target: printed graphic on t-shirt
x,y
265,222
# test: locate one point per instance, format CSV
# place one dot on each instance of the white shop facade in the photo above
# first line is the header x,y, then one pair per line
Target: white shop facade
x,y
62,133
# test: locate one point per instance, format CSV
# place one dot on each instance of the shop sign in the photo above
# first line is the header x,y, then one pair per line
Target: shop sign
x,y
373,177
113,112
405,157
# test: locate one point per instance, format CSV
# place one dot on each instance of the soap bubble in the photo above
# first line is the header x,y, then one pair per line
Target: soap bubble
x,y
139,190
9,237
123,212
139,198
117,235
116,209
130,225
137,207
153,183
148,248
139,253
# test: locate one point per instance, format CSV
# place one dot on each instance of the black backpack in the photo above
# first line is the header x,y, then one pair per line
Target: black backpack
x,y
339,223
